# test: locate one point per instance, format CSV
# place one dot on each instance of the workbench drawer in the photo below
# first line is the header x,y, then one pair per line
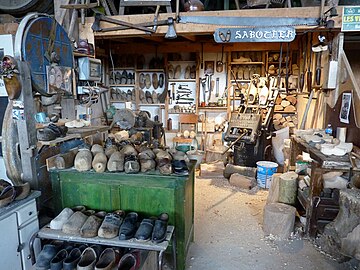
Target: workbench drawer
x,y
326,212
27,213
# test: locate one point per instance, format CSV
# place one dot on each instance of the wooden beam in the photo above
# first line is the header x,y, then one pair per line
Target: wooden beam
x,y
189,37
79,6
158,39
200,29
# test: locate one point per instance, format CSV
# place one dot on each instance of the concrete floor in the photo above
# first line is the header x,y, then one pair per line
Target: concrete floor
x,y
229,236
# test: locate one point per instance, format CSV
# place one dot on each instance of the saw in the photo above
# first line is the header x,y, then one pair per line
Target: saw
x,y
250,21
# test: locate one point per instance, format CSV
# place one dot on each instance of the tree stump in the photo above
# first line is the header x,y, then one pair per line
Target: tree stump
x,y
279,220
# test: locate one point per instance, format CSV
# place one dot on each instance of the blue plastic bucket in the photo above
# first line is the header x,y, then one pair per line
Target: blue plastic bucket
x,y
265,171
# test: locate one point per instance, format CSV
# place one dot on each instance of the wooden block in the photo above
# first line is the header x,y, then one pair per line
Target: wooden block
x,y
232,169
290,108
278,100
279,220
277,127
291,125
282,120
291,99
283,96
278,108
277,116
288,118
276,122
285,103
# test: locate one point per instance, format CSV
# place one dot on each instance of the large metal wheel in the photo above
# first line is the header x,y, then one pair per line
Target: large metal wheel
x,y
31,44
19,8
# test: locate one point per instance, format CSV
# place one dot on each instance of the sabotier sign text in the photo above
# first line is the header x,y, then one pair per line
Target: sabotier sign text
x,y
260,34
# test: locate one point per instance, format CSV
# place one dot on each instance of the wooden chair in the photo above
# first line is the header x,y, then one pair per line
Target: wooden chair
x,y
186,122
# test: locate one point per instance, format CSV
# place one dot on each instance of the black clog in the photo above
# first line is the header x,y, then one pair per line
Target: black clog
x,y
145,229
129,226
160,228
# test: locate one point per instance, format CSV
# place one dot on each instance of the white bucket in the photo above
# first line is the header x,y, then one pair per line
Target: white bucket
x,y
265,171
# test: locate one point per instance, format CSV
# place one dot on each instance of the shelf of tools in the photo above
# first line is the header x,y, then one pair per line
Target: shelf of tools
x,y
182,90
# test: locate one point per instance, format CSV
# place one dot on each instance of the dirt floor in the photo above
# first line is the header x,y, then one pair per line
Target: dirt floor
x,y
229,236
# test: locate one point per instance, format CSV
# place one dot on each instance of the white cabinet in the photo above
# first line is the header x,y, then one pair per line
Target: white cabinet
x,y
18,222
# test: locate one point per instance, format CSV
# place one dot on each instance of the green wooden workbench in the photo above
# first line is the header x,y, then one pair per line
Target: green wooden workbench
x,y
147,194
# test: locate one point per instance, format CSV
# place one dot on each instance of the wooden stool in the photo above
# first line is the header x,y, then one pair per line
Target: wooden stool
x,y
129,3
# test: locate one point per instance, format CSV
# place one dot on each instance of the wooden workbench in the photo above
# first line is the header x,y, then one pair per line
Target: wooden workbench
x,y
319,210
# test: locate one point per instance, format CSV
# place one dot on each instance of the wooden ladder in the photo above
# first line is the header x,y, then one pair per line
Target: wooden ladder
x,y
128,3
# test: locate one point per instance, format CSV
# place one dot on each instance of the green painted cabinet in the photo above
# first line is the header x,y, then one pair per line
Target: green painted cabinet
x,y
147,194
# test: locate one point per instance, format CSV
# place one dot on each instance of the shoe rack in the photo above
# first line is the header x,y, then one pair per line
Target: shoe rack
x,y
137,85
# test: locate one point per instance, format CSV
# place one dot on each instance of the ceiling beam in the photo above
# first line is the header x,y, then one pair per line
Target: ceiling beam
x,y
189,37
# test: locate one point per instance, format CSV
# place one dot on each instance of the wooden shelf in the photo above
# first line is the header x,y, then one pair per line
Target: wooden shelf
x,y
182,80
284,112
153,104
120,101
182,61
180,113
77,54
150,70
247,63
240,80
121,85
274,63
213,108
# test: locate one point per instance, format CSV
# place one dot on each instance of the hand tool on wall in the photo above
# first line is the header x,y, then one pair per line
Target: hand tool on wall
x,y
217,87
309,72
173,91
184,102
318,49
287,67
184,92
170,99
220,63
203,84
184,98
303,50
208,85
280,61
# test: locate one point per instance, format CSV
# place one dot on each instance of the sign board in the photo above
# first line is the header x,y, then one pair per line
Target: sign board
x,y
255,34
351,19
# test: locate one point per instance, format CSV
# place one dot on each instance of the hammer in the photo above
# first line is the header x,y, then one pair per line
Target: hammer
x,y
173,90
